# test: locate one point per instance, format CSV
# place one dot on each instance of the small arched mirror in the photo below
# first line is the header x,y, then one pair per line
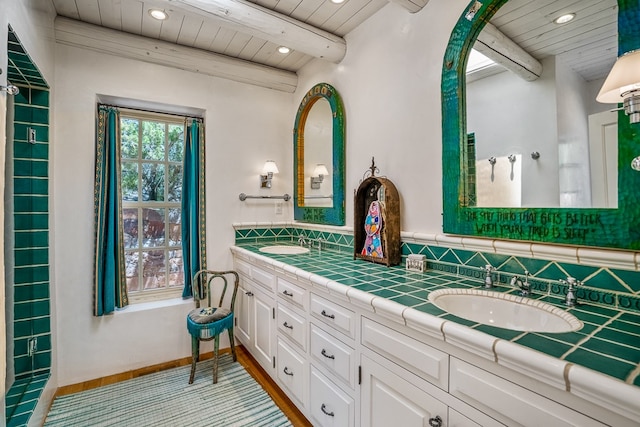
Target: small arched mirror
x,y
318,141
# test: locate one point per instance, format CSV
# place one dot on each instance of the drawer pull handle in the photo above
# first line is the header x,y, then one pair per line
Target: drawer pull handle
x,y
286,371
435,422
324,409
330,316
249,293
286,325
289,294
328,356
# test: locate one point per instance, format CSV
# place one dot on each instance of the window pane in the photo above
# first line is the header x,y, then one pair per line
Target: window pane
x,y
154,269
175,183
153,227
176,271
152,182
175,228
129,138
131,262
176,143
153,137
130,225
129,181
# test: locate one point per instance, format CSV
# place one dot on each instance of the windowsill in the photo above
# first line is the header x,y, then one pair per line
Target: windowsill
x,y
152,305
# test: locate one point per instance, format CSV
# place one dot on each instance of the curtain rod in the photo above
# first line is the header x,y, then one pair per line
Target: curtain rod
x,y
119,107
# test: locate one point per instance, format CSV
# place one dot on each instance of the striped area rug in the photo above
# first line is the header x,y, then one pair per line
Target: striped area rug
x,y
166,399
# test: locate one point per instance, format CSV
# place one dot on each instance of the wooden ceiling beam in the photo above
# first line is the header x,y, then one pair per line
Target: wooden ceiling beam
x,y
269,25
496,46
79,34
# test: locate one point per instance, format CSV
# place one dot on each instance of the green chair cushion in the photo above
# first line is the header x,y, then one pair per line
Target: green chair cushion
x,y
208,314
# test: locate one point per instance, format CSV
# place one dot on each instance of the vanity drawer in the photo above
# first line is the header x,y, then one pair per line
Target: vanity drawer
x,y
423,360
292,371
263,278
334,315
329,405
331,353
293,293
292,325
507,402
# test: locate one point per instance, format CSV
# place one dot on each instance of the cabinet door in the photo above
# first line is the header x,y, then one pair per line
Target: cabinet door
x,y
242,314
389,400
263,329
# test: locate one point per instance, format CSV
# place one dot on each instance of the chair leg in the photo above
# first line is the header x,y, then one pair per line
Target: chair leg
x,y
216,345
195,355
233,344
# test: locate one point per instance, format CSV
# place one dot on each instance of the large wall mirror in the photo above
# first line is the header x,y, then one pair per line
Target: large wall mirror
x,y
528,153
318,142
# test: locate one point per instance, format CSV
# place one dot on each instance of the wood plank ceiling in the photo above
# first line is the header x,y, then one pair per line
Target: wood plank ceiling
x,y
588,44
252,31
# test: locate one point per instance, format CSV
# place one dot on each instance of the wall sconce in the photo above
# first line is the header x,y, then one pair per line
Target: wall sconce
x,y
318,175
267,173
623,85
10,89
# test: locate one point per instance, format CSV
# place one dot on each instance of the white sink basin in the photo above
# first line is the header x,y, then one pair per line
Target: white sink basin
x,y
284,250
504,310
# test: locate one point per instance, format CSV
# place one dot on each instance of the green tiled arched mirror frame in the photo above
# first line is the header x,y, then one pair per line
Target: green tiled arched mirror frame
x,y
614,228
334,215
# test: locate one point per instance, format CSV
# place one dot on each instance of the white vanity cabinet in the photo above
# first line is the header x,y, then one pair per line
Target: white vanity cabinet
x,y
255,315
344,364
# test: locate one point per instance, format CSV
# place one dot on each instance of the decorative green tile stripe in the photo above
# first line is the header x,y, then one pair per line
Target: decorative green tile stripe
x,y
601,285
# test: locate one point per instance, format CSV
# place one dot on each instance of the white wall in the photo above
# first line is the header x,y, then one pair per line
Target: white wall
x,y
245,125
499,112
390,84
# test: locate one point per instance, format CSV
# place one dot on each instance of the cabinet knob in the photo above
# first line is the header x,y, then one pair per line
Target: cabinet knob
x,y
324,409
436,421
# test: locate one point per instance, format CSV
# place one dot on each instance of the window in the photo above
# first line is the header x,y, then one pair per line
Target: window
x,y
151,150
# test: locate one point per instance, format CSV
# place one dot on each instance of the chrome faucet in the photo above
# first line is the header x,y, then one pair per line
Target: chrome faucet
x,y
320,242
488,279
524,287
302,240
572,297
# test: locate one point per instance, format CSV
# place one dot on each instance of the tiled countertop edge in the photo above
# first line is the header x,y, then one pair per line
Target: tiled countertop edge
x,y
590,385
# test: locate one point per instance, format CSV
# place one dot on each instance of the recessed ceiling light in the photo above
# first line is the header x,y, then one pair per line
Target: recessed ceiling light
x,y
158,14
337,1
284,49
563,19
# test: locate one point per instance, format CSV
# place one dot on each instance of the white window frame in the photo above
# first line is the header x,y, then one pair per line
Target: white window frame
x,y
163,293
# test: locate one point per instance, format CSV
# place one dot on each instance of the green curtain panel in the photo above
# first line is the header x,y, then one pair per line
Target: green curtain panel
x,y
110,285
193,205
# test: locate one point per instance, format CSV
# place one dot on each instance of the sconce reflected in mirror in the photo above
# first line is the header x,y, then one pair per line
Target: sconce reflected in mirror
x,y
318,175
10,89
268,170
623,85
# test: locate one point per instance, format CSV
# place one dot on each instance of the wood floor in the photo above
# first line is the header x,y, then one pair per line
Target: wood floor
x,y
244,358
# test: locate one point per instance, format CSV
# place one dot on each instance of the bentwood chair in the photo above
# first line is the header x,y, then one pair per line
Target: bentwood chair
x,y
206,323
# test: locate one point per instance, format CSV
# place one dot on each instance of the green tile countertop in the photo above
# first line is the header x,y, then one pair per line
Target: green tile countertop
x,y
608,343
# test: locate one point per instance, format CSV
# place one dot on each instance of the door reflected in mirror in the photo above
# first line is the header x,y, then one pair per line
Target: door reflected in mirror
x,y
318,137
551,143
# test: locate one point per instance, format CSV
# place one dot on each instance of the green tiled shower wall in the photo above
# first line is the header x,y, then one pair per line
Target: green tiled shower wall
x,y
27,212
603,286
